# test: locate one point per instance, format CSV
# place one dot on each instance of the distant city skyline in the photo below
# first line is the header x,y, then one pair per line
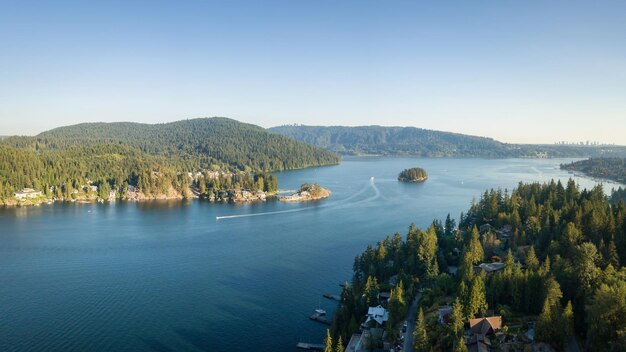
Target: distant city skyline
x,y
518,72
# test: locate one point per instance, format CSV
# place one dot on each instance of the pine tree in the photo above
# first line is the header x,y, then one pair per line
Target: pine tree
x,y
460,346
568,320
476,251
477,298
340,347
396,305
532,262
457,318
420,338
328,344
549,322
464,296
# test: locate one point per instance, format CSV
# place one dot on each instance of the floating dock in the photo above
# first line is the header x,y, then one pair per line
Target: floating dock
x,y
310,346
331,296
320,318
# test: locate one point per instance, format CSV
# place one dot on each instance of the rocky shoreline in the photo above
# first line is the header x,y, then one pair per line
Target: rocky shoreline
x,y
230,196
308,192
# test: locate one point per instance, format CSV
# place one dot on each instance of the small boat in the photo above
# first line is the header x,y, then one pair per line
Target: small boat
x,y
319,309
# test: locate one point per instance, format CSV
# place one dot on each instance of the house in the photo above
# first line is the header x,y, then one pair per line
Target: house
x,y
444,313
486,326
27,193
478,343
378,314
489,267
480,328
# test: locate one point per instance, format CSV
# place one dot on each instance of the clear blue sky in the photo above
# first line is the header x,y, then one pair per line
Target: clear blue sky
x,y
518,71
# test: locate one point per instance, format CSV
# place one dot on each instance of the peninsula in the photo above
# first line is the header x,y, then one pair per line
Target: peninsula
x,y
218,159
414,174
308,191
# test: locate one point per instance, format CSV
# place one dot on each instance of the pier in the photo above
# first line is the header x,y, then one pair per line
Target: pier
x,y
310,346
331,296
320,318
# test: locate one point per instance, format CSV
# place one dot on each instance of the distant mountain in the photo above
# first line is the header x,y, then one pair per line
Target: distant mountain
x,y
411,141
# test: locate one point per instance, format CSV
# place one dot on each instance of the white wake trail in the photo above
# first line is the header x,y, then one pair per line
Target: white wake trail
x,y
338,204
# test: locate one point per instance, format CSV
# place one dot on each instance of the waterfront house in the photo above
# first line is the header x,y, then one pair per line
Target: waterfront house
x,y
27,193
378,314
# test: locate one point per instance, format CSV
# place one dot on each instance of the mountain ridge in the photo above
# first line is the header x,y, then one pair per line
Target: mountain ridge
x,y
414,141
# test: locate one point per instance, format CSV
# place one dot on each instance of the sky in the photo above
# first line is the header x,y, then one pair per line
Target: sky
x,y
516,71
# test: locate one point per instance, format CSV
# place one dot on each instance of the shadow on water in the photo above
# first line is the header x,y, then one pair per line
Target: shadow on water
x,y
156,205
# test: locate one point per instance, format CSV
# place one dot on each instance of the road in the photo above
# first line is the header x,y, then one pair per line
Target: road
x,y
572,345
410,319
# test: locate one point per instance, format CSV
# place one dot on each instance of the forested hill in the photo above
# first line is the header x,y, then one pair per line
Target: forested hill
x,y
199,143
157,160
608,168
413,141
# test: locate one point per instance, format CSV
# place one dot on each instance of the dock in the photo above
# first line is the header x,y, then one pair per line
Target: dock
x,y
320,318
310,346
332,296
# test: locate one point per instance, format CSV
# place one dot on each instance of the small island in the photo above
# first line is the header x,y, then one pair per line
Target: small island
x,y
308,191
414,174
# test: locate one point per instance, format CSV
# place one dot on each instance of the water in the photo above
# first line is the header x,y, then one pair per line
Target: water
x,y
165,276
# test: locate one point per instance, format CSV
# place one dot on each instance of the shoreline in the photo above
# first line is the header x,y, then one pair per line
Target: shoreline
x,y
229,197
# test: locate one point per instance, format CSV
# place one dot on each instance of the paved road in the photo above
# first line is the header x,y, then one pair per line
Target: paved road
x,y
410,318
572,345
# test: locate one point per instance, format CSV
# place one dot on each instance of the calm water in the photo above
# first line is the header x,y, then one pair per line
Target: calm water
x,y
164,276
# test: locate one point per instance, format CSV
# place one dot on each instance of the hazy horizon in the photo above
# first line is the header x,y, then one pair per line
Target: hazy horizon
x,y
530,72
313,125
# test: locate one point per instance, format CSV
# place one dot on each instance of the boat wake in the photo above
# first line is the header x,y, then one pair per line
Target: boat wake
x,y
260,214
338,204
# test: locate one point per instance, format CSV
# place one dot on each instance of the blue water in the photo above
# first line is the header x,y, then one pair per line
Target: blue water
x,y
166,276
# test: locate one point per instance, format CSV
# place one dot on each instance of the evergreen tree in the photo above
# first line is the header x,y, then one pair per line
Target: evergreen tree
x,y
340,347
460,346
328,344
568,320
427,252
420,338
477,299
457,318
606,312
396,306
549,327
371,291
475,250
450,226
532,262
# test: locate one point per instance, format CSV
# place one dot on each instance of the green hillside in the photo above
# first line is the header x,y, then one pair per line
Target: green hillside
x,y
154,158
413,141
